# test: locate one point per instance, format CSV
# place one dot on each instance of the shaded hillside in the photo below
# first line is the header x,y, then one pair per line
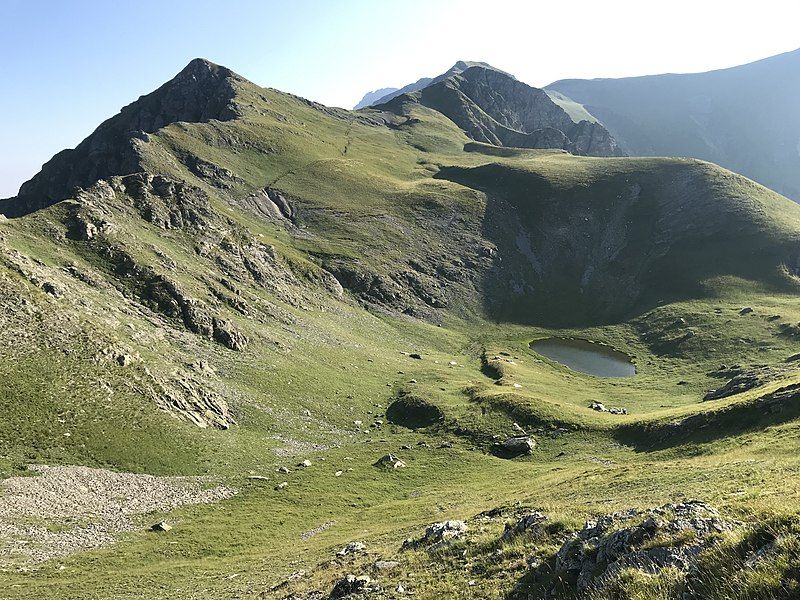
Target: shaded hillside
x,y
745,118
582,241
493,107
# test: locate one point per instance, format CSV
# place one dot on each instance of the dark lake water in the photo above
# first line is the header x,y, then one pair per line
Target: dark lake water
x,y
586,357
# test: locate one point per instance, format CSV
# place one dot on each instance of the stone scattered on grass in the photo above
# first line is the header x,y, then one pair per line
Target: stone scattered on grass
x,y
161,526
614,410
389,462
352,548
437,535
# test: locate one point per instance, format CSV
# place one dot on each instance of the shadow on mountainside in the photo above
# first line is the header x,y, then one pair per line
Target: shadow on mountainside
x,y
780,406
590,241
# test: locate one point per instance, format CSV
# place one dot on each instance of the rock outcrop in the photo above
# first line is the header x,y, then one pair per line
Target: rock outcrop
x,y
495,108
202,91
514,447
437,536
672,535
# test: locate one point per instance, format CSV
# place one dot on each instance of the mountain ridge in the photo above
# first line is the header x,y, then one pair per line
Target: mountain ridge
x,y
494,107
201,91
458,67
742,117
371,97
329,314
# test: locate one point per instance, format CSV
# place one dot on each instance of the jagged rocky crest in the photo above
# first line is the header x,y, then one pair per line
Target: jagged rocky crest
x,y
202,91
495,108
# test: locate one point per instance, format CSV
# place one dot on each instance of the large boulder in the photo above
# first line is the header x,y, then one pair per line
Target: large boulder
x,y
514,446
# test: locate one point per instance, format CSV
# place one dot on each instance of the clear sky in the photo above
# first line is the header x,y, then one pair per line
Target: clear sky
x,y
66,65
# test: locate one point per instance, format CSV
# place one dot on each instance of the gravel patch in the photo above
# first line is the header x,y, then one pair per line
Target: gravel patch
x,y
68,509
307,535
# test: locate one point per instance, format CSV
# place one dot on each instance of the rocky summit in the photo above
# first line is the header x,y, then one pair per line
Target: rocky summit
x,y
493,107
255,346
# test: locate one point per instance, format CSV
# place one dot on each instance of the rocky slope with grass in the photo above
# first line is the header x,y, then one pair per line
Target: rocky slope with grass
x,y
305,332
493,107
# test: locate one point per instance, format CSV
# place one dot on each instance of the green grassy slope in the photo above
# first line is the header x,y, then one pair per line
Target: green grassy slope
x,y
404,237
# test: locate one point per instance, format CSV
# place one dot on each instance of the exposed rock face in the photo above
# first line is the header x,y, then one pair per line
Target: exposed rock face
x,y
614,542
438,535
515,446
528,523
493,107
270,203
200,92
190,396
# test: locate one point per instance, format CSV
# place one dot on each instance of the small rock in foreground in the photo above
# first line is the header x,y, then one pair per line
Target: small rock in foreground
x,y
390,462
352,548
438,535
161,526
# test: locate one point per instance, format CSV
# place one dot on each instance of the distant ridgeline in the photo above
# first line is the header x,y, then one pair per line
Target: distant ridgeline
x,y
492,106
745,118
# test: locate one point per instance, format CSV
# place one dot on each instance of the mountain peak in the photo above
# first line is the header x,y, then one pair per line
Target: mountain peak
x,y
202,69
493,107
374,99
463,65
202,91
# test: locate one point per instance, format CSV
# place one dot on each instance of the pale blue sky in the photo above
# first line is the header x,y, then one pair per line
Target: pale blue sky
x,y
67,65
